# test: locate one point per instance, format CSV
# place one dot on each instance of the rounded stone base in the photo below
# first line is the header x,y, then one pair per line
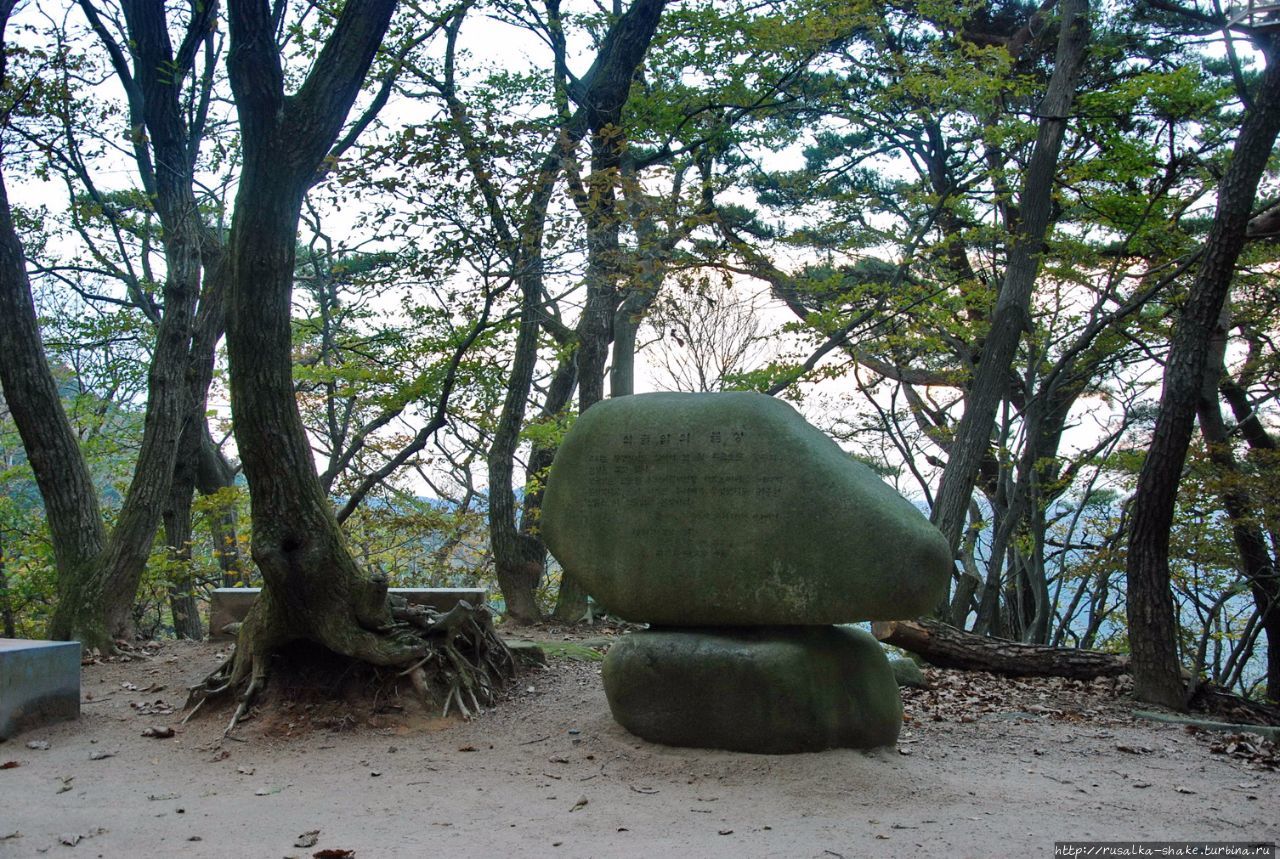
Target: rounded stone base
x,y
770,690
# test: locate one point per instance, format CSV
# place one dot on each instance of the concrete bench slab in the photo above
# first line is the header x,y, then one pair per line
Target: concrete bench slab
x,y
230,605
39,683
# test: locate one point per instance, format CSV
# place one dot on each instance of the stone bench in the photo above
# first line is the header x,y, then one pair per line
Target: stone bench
x,y
39,683
230,605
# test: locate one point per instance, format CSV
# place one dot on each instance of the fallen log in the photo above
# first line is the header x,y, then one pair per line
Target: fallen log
x,y
946,646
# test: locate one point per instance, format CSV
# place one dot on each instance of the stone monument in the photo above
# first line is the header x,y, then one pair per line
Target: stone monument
x,y
741,534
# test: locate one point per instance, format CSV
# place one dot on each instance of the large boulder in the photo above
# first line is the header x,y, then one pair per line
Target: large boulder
x,y
730,509
766,690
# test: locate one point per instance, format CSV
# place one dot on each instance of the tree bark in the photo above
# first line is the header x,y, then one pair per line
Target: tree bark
x,y
520,591
192,466
1152,624
7,626
1012,311
947,647
1256,562
312,587
177,535
595,327
70,498
519,557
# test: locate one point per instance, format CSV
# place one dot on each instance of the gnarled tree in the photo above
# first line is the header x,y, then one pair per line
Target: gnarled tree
x,y
313,589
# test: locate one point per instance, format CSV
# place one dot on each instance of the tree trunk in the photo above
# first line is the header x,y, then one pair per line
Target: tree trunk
x,y
947,647
1011,315
595,327
177,534
312,588
7,626
1152,625
70,498
1256,562
520,591
519,559
1037,631
605,84
626,325
192,467
96,590
962,602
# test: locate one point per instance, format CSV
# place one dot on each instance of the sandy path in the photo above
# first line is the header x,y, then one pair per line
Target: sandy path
x,y
510,783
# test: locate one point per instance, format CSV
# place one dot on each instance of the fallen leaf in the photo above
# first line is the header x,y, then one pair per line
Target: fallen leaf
x,y
644,790
333,854
1184,790
467,749
66,784
158,732
159,797
1142,784
38,745
724,832
245,770
582,801
558,759
8,835
1134,750
307,839
71,839
8,765
157,707
101,756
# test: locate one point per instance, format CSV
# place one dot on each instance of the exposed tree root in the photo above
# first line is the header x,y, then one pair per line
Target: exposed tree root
x,y
452,661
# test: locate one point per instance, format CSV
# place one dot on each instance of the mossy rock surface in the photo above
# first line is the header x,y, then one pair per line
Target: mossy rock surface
x,y
730,509
770,691
908,673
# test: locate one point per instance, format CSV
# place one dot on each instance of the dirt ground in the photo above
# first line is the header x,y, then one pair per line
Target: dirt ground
x,y
986,767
